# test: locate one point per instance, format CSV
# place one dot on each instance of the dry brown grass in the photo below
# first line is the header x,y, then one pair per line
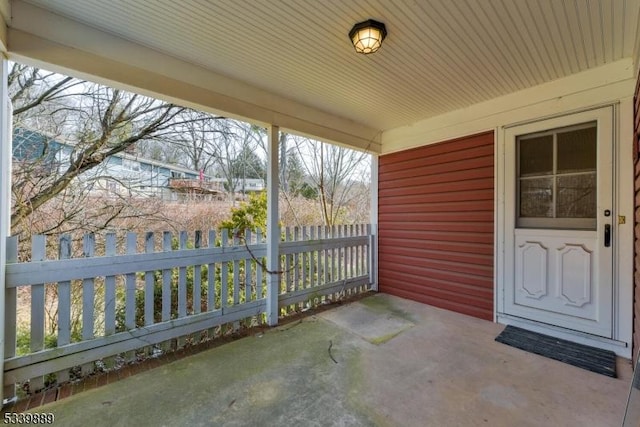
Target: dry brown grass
x,y
141,215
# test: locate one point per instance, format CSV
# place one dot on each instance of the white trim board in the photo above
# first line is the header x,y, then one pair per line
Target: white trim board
x,y
5,201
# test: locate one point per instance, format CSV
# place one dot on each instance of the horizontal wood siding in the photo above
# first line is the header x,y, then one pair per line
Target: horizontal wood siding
x,y
435,224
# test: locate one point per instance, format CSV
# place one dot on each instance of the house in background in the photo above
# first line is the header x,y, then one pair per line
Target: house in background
x,y
122,174
504,133
249,185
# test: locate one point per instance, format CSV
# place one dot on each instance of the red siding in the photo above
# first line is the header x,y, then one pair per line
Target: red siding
x,y
636,250
435,224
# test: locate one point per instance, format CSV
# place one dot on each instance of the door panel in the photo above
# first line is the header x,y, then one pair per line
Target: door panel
x,y
558,203
556,271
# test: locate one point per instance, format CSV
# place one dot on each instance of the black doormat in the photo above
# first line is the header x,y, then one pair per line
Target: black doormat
x,y
585,357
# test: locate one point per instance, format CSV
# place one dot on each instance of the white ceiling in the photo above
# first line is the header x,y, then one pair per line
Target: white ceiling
x,y
439,56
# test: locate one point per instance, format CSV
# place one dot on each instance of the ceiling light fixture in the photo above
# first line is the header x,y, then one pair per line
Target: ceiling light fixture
x,y
367,36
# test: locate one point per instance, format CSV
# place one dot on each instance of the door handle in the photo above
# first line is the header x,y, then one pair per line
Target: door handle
x,y
607,235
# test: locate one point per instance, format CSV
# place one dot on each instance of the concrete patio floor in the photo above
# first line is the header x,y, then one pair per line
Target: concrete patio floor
x,y
380,361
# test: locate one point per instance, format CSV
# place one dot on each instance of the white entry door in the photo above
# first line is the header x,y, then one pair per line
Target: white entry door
x,y
559,222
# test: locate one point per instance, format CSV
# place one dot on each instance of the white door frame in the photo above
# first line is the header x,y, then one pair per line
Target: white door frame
x,y
622,242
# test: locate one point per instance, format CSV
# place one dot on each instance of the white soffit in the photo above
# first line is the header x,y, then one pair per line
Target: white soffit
x,y
439,56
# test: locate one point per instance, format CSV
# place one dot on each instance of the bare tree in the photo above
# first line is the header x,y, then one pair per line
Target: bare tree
x,y
230,149
30,88
339,174
194,142
97,120
161,151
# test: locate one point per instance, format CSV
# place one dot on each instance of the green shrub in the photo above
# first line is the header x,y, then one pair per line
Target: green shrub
x,y
250,215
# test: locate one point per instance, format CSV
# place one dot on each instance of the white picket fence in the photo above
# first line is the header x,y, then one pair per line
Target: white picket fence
x,y
126,296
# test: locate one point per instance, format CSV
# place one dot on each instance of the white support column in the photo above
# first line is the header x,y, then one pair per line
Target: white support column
x,y
374,223
273,227
5,200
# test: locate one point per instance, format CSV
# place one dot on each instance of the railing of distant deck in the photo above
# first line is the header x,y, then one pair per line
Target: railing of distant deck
x,y
130,296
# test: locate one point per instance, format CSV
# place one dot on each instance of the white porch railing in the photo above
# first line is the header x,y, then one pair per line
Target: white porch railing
x,y
121,300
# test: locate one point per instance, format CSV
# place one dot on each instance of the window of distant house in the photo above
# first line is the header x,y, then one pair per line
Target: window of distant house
x,y
130,165
112,187
557,175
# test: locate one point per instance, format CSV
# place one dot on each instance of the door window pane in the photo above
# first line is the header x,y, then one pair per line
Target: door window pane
x,y
577,196
557,178
536,155
577,150
536,198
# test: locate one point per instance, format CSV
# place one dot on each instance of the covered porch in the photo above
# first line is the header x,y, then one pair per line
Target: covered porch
x,y
382,360
443,108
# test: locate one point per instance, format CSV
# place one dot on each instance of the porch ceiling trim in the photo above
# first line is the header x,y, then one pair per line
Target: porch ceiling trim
x,y
48,40
606,84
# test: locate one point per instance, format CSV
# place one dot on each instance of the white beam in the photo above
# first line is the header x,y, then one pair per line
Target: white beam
x,y
273,227
5,199
374,223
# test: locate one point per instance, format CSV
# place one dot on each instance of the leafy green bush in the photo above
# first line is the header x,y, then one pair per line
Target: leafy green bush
x,y
250,215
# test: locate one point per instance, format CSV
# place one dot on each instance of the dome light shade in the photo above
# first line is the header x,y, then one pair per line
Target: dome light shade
x,y
367,36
